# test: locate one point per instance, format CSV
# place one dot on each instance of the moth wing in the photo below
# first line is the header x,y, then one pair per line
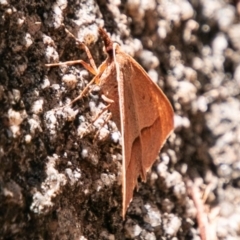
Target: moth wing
x,y
154,113
146,121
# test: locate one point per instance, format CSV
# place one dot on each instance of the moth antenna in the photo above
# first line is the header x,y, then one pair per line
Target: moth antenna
x,y
82,44
107,41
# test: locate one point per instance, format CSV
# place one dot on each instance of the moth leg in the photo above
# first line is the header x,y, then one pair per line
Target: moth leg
x,y
84,91
109,101
89,55
101,126
106,99
96,118
100,113
94,80
90,67
69,63
86,66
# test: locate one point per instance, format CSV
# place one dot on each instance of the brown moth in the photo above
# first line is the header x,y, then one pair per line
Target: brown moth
x,y
139,108
141,111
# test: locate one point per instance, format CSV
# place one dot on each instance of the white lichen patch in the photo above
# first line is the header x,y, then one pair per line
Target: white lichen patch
x,y
15,118
37,106
132,229
50,188
153,216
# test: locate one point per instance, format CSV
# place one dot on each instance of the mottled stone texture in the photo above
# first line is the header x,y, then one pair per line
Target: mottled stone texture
x,y
58,181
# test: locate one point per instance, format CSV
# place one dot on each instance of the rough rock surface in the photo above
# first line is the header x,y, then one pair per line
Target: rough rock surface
x,y
56,181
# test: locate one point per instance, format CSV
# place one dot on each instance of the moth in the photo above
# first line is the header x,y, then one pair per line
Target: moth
x,y
139,108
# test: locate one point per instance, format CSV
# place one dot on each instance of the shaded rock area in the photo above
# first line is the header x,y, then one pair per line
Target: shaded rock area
x,y
60,182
